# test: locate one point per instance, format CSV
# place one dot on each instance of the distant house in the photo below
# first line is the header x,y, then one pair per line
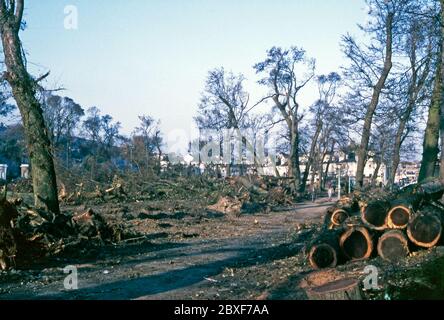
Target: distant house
x,y
3,171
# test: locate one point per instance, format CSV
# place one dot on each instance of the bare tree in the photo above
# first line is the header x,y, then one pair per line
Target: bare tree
x,y
282,77
370,65
149,134
225,105
434,123
419,50
327,86
24,92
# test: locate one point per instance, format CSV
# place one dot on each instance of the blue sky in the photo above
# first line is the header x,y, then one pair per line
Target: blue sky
x,y
133,57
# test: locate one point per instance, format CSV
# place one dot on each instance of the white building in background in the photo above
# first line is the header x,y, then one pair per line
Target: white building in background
x,y
407,172
346,164
24,171
3,171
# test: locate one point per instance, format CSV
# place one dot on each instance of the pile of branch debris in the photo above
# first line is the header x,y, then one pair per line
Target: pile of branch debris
x,y
27,233
252,194
374,223
234,195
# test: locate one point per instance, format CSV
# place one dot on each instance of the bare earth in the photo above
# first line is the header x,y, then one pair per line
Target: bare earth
x,y
186,257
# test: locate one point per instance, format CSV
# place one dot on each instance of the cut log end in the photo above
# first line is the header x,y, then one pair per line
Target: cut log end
x,y
393,246
356,243
375,215
398,217
323,256
338,217
425,230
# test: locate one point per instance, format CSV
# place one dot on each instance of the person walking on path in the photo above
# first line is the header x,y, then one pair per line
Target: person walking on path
x,y
330,192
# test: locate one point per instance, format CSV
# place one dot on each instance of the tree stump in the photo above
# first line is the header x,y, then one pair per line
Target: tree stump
x,y
343,289
331,284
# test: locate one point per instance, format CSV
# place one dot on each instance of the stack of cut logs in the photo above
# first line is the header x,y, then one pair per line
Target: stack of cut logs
x,y
387,224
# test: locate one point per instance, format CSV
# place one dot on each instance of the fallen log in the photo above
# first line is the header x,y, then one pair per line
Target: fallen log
x,y
433,189
356,243
335,217
393,246
323,256
324,250
340,212
398,216
374,214
425,228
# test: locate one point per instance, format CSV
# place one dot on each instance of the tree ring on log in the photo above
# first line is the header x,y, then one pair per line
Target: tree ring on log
x,y
393,246
374,215
398,217
323,256
425,230
338,217
356,243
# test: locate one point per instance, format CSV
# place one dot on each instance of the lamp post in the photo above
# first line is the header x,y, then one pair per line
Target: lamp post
x,y
339,183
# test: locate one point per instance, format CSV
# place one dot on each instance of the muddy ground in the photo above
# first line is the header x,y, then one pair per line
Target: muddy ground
x,y
193,255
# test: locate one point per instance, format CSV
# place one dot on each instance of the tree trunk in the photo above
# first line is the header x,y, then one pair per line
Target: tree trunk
x,y
374,214
376,172
328,164
425,228
357,243
441,170
310,157
23,88
363,150
393,246
399,215
294,169
431,136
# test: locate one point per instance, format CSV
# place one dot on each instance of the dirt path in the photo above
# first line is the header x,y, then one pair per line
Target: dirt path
x,y
234,263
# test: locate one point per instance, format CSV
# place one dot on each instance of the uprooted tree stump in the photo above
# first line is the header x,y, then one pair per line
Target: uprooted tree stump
x,y
393,246
374,214
8,246
356,243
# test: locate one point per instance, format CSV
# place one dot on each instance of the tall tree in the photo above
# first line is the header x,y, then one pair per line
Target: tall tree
x,y
434,123
327,86
225,105
441,172
419,50
24,91
375,78
370,65
282,75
